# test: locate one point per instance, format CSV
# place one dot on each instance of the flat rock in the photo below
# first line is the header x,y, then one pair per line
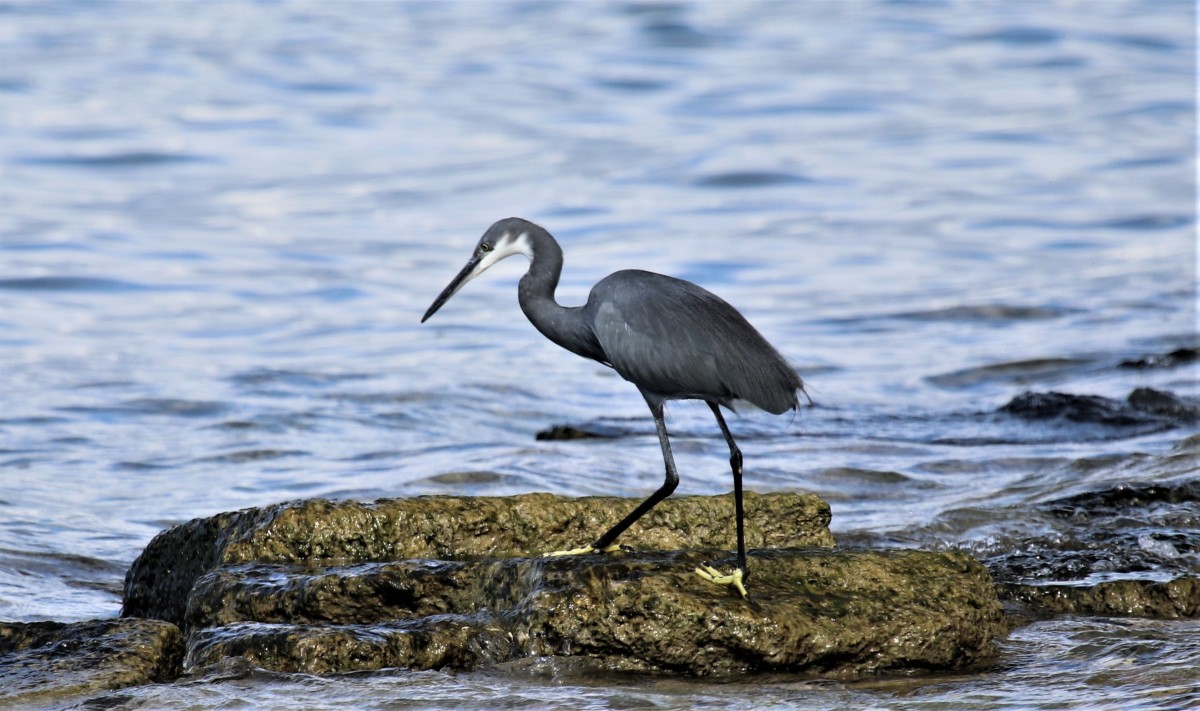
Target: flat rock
x,y
44,661
449,528
452,582
811,610
1171,599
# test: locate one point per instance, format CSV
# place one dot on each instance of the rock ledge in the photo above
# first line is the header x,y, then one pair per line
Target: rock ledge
x,y
454,582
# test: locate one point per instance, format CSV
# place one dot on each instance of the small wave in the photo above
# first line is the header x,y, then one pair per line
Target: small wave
x,y
750,179
71,283
1018,36
1132,222
153,406
267,376
129,159
986,312
1012,371
253,455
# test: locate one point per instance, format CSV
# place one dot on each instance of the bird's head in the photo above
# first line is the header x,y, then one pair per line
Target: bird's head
x,y
505,238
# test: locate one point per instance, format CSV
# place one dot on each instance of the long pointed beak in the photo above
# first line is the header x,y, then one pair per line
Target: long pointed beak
x,y
452,288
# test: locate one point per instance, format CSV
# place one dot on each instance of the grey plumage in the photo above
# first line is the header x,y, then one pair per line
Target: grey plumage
x,y
671,338
675,340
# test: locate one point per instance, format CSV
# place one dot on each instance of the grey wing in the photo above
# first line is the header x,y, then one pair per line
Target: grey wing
x,y
674,339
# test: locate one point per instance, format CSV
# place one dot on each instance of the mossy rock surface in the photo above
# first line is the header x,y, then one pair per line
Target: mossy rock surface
x,y
453,582
44,661
449,528
809,610
1170,599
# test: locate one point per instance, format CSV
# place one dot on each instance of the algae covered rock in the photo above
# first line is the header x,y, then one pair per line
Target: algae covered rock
x,y
1171,599
812,611
455,583
809,610
43,661
448,528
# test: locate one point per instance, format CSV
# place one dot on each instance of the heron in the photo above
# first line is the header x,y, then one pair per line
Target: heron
x,y
672,339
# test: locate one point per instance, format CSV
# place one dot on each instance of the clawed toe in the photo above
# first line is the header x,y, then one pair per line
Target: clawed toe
x,y
713,575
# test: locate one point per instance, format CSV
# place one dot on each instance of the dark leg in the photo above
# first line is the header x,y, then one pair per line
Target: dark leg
x,y
672,480
735,463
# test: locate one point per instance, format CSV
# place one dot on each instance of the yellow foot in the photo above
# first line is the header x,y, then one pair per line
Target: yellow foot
x,y
713,575
586,550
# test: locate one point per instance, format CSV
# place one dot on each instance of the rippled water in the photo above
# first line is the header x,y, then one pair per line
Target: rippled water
x,y
220,224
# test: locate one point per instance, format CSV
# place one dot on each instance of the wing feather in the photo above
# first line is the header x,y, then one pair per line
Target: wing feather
x,y
676,340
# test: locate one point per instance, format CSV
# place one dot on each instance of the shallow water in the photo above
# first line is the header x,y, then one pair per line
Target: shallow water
x,y
221,223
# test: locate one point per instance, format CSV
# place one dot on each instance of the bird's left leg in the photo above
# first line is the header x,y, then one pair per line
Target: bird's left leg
x,y
607,542
735,463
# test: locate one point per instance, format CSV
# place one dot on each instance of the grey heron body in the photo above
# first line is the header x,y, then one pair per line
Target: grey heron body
x,y
671,338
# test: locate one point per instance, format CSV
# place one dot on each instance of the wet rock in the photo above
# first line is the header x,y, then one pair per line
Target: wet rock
x,y
1076,408
1144,408
1149,530
448,582
443,643
810,610
567,432
448,528
595,429
1178,598
1180,356
1164,404
1121,498
44,661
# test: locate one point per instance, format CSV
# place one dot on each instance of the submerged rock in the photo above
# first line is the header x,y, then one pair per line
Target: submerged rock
x,y
1164,404
43,661
569,432
448,582
1145,407
1179,356
1178,598
1122,499
1137,530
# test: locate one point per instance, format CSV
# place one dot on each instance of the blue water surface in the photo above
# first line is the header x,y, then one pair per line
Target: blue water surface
x,y
220,224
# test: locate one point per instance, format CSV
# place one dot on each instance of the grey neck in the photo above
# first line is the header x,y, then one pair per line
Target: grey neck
x,y
566,326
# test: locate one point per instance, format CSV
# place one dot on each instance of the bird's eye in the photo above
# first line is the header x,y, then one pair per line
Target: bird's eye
x,y
485,247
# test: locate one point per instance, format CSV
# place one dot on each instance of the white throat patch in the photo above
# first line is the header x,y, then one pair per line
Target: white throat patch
x,y
506,246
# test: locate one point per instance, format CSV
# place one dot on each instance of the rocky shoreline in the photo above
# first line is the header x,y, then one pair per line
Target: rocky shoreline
x,y
445,582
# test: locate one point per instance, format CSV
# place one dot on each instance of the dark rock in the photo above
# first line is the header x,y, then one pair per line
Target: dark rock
x,y
44,661
1075,408
810,610
1164,404
433,643
1122,498
567,432
1178,598
1145,407
448,528
596,429
1180,356
1149,530
448,582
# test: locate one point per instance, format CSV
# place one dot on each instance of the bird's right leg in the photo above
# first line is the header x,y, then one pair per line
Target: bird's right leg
x,y
708,572
607,542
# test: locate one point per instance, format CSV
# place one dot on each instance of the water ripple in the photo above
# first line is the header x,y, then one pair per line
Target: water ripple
x,y
130,159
